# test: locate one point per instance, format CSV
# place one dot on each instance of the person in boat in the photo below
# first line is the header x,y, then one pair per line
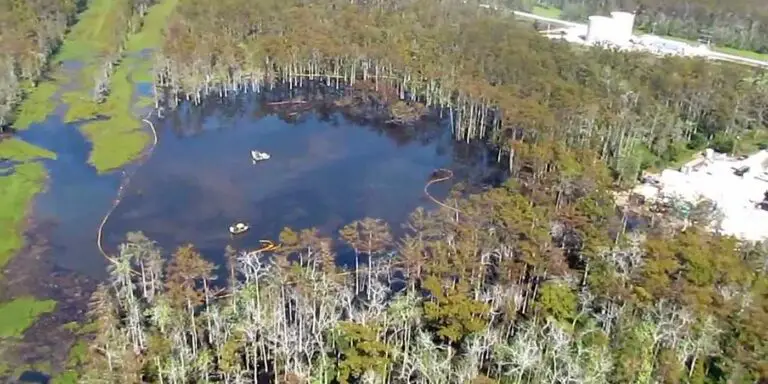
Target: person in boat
x,y
238,228
258,156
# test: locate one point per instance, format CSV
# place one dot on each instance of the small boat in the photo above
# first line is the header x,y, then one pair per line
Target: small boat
x,y
238,228
259,156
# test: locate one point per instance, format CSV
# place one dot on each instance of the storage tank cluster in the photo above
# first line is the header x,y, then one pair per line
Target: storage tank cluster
x,y
616,29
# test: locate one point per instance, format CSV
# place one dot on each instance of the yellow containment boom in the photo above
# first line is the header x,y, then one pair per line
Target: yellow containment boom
x,y
268,246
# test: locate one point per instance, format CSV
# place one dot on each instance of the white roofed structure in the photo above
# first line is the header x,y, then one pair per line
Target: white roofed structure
x,y
623,25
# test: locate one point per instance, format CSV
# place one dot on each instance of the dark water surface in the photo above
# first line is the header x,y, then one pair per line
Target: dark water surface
x,y
325,172
76,197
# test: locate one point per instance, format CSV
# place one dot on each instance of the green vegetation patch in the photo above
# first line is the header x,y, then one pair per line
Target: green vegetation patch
x,y
80,106
17,191
742,53
67,377
78,353
37,105
95,33
550,12
151,34
19,314
92,39
19,150
115,142
77,358
120,138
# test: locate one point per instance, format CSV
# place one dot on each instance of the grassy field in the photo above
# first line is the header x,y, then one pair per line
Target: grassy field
x,y
120,137
742,53
151,34
550,12
95,36
17,190
15,317
19,150
726,50
38,104
116,141
19,314
90,41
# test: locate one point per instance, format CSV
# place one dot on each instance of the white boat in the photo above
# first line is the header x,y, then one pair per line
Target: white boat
x,y
238,228
259,156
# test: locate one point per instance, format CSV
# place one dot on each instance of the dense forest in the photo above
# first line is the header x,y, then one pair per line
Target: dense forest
x,y
741,24
531,282
498,79
537,280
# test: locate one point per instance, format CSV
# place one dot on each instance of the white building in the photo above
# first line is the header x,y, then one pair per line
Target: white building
x,y
600,29
623,24
616,32
616,29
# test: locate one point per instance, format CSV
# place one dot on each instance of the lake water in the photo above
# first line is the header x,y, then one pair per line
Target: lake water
x,y
326,171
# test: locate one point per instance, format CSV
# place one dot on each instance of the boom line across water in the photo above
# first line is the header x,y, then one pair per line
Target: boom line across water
x,y
123,184
448,176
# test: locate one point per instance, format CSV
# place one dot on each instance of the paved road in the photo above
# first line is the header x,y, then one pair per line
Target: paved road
x,y
712,55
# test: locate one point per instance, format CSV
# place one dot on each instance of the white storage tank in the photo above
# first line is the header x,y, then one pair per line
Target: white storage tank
x,y
600,28
709,154
624,23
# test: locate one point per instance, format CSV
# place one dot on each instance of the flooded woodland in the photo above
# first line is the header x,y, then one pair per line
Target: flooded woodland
x,y
326,170
440,188
330,165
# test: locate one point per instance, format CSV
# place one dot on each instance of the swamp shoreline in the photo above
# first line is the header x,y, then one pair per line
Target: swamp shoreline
x,y
50,124
76,141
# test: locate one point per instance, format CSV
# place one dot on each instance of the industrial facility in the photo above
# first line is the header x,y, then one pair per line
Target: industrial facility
x,y
616,31
737,187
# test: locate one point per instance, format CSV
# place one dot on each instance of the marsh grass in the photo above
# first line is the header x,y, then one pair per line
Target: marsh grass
x,y
19,314
151,34
119,137
116,141
69,376
19,150
17,190
37,105
76,358
16,316
112,148
94,36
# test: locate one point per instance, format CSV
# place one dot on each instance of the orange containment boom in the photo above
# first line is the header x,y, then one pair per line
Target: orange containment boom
x,y
268,246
